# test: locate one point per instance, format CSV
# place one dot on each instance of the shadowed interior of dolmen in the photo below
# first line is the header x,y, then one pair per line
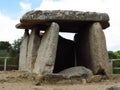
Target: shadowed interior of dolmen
x,y
72,53
65,56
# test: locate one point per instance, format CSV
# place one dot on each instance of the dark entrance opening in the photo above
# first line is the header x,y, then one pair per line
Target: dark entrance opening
x,y
65,55
73,53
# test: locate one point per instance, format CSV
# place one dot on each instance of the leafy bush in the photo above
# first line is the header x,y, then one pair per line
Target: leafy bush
x,y
115,55
116,71
4,45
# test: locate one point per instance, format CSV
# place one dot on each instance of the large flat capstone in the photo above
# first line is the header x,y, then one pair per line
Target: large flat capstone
x,y
69,21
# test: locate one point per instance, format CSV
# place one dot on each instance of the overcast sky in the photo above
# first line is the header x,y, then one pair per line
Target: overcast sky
x,y
12,10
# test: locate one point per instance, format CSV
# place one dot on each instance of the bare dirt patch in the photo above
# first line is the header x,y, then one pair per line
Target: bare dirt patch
x,y
16,80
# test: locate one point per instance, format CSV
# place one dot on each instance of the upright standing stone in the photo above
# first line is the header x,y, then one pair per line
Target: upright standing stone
x,y
23,52
98,51
34,42
47,51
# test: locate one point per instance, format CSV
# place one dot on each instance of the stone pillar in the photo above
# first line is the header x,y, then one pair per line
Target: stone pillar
x,y
98,51
23,52
47,51
34,42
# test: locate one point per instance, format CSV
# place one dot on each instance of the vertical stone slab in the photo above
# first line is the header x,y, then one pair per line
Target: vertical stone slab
x,y
47,51
23,52
34,42
98,51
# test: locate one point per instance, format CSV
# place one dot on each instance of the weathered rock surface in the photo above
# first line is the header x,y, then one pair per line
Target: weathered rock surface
x,y
23,52
34,42
98,52
64,15
66,19
49,78
77,71
47,51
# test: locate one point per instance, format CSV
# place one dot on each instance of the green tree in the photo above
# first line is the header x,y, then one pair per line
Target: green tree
x,y
118,54
14,51
5,45
112,55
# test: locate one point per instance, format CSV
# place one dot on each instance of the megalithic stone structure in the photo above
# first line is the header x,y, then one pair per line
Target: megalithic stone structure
x,y
23,51
88,48
47,51
34,42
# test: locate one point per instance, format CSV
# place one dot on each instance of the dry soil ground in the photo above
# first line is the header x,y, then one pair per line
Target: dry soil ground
x,y
10,80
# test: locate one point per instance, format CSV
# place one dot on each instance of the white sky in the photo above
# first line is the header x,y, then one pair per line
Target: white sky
x,y
8,32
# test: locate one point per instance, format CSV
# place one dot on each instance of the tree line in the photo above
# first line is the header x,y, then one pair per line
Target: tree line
x,y
114,54
10,50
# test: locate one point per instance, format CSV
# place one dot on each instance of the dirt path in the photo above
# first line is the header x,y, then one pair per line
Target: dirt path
x,y
9,81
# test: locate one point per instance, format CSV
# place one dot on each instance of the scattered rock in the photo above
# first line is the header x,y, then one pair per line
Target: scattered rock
x,y
95,78
49,79
11,79
66,82
113,88
84,81
25,75
77,71
37,82
3,80
37,89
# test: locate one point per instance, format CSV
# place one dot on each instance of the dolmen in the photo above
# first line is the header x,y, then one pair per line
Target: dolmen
x,y
43,51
